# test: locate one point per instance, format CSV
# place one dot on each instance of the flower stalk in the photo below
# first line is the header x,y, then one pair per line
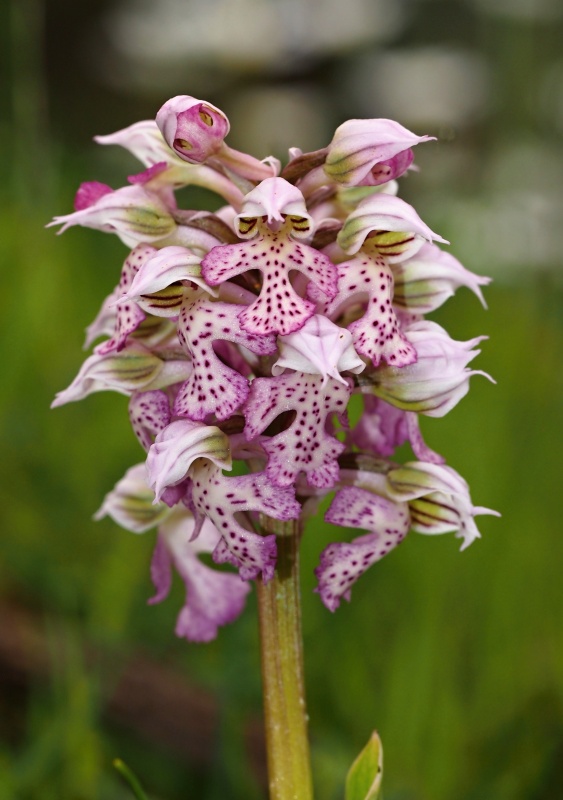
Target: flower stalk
x,y
279,605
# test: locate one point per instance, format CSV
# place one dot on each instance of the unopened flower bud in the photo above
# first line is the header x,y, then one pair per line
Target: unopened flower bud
x,y
192,128
370,152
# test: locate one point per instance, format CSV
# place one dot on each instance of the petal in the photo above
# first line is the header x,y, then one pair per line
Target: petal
x,y
178,446
89,193
131,503
381,428
304,445
319,348
278,309
380,214
161,571
342,563
104,324
212,598
377,334
149,173
149,413
214,387
219,498
359,145
129,316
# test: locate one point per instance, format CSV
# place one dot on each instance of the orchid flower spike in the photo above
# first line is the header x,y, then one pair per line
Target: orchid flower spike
x,y
240,337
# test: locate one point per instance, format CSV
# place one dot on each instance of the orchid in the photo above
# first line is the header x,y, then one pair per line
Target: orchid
x,y
241,338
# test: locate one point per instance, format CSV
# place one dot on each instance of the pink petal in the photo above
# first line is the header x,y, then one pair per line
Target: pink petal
x,y
89,193
377,334
213,387
129,316
341,563
219,498
305,445
278,309
149,413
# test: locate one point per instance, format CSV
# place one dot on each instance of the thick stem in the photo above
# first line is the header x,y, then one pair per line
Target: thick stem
x,y
285,714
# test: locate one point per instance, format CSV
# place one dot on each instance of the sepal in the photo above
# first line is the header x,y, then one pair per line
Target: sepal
x,y
133,369
388,225
274,201
370,151
177,447
425,281
437,381
133,213
438,499
319,348
131,503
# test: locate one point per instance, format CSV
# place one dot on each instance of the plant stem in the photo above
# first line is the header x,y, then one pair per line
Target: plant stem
x,y
279,604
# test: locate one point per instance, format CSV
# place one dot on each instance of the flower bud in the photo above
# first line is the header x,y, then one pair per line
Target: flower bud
x,y
193,129
369,152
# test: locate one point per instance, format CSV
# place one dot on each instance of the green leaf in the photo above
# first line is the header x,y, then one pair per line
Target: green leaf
x,y
130,778
363,781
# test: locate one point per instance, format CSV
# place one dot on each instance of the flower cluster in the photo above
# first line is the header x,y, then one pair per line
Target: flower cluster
x,y
241,336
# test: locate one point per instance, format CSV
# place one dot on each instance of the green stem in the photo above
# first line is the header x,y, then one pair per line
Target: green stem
x,y
279,604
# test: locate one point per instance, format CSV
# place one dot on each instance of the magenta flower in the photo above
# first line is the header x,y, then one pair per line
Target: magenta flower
x,y
273,218
212,598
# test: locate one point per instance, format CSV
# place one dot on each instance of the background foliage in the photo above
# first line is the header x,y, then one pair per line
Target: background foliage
x,y
456,659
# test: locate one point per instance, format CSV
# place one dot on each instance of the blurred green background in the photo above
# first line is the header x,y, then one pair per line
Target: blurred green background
x,y
456,659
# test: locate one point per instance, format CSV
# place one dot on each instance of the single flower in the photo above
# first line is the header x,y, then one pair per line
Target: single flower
x,y
370,152
438,499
